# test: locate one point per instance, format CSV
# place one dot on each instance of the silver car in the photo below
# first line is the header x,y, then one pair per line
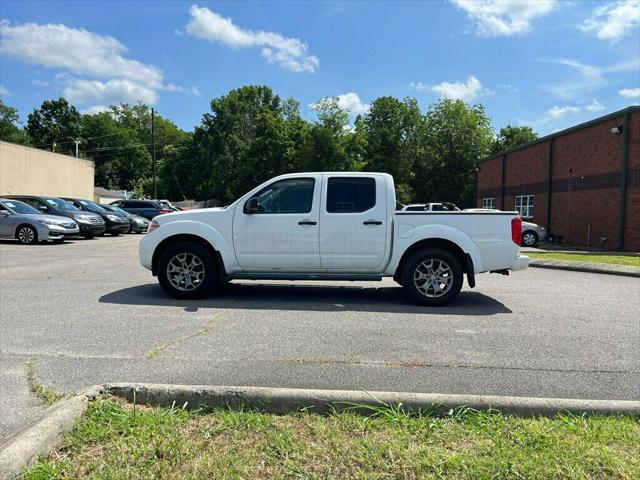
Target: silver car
x,y
26,224
532,234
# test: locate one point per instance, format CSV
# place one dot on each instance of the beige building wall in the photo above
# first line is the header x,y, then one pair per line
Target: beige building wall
x,y
30,171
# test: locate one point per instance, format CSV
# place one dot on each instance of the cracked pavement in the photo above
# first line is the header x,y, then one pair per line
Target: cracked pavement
x,y
88,313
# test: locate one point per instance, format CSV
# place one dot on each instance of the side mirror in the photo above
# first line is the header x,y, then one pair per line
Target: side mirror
x,y
4,213
252,206
43,208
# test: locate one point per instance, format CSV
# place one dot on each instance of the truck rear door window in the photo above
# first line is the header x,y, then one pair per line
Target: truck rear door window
x,y
350,194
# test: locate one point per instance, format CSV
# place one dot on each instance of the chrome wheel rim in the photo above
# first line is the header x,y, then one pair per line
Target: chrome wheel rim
x,y
529,239
26,235
185,271
433,278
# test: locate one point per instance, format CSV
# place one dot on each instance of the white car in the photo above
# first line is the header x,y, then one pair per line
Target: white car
x,y
330,226
430,207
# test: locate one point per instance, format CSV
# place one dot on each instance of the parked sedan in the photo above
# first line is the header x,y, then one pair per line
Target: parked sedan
x,y
137,224
26,224
115,223
532,234
90,224
145,208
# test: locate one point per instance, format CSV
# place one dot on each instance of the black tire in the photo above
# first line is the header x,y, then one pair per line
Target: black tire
x,y
208,265
27,235
115,234
529,238
432,286
89,236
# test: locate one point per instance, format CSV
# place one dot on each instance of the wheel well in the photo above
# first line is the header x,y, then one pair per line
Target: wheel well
x,y
167,242
15,234
440,243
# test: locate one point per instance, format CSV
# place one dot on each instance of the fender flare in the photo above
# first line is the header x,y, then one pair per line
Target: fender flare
x,y
444,232
198,229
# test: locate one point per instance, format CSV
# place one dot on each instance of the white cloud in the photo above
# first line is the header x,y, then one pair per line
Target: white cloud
x,y
349,102
629,92
589,77
559,112
505,17
4,91
594,106
94,110
94,67
466,91
289,53
111,92
613,20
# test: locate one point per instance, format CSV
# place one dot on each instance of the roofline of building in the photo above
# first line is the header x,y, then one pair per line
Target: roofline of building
x,y
546,138
40,150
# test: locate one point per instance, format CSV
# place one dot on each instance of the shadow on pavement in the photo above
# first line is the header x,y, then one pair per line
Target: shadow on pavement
x,y
301,297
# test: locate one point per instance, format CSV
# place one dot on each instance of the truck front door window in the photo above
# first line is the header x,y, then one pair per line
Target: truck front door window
x,y
293,195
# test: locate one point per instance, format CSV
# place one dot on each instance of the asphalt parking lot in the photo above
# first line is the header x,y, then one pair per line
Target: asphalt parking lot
x,y
86,312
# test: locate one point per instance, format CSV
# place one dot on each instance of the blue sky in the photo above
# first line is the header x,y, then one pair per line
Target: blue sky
x,y
548,64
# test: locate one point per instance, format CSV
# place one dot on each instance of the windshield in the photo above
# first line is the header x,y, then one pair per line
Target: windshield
x,y
113,208
19,207
92,207
61,205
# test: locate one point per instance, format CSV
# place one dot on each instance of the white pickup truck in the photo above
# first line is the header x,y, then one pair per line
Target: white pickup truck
x,y
330,226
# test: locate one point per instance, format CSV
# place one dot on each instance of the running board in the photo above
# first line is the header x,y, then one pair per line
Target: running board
x,y
353,277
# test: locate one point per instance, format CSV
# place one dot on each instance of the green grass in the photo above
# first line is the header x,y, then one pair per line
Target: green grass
x,y
607,258
120,441
47,394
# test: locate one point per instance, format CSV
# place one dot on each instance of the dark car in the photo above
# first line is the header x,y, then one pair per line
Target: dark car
x,y
144,208
115,223
90,224
137,224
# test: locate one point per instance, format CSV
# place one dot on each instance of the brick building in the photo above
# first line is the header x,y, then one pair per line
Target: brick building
x,y
582,182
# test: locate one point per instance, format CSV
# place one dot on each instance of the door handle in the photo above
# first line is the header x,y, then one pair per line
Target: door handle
x,y
372,222
307,222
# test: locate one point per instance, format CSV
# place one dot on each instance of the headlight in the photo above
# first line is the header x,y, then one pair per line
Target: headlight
x,y
113,218
83,219
49,223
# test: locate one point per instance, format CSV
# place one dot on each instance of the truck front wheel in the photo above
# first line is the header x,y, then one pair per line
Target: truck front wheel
x,y
187,270
432,277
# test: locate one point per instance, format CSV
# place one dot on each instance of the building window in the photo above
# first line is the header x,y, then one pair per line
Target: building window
x,y
524,206
489,202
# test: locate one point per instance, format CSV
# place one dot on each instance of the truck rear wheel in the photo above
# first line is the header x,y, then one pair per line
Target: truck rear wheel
x,y
432,277
187,270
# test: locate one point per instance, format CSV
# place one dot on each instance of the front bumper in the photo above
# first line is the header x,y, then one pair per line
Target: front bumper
x,y
521,262
91,228
117,227
138,227
56,233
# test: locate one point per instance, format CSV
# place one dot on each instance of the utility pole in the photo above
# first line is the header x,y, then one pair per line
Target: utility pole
x,y
153,149
77,142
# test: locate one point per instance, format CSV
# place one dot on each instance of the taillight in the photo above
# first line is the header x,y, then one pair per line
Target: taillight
x,y
152,226
164,210
516,230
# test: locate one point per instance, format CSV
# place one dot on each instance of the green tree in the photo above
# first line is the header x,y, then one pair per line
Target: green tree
x,y
243,142
324,147
454,136
9,131
392,127
512,136
54,126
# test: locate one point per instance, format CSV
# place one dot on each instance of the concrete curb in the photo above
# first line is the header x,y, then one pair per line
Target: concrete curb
x,y
621,270
46,434
287,400
23,448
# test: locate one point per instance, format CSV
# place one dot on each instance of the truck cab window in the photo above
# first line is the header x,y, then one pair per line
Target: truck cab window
x,y
292,195
350,195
